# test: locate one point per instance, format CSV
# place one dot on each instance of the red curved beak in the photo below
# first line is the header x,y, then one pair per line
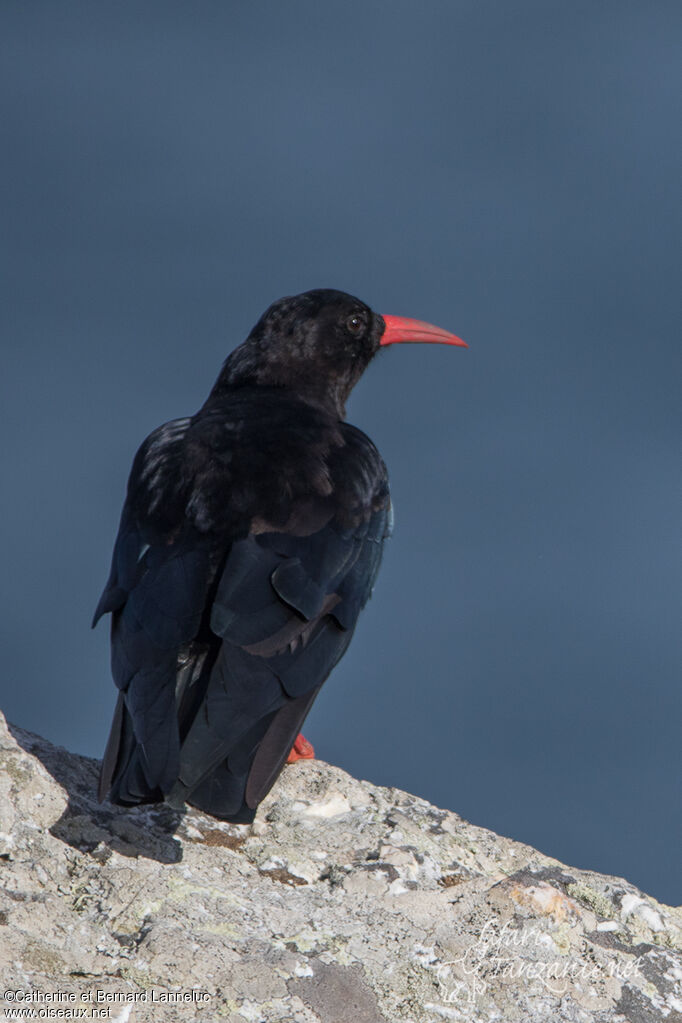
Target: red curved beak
x,y
400,329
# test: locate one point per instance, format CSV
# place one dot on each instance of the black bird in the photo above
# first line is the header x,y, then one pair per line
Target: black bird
x,y
250,540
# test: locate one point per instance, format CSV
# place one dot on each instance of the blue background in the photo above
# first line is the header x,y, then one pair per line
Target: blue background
x,y
508,171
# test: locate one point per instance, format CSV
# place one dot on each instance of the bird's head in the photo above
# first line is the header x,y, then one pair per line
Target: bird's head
x,y
318,345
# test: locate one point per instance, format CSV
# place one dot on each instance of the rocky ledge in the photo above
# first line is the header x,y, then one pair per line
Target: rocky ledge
x,y
342,903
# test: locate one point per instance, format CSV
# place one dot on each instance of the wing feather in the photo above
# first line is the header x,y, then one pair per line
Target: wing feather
x,y
273,689
222,637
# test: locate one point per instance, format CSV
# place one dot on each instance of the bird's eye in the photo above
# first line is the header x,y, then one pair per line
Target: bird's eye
x,y
354,324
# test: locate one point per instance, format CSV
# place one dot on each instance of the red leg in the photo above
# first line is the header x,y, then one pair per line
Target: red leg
x,y
301,750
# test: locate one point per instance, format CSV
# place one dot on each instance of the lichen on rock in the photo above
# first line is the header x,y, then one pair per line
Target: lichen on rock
x,y
343,901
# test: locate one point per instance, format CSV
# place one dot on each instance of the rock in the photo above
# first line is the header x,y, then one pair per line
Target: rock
x,y
342,903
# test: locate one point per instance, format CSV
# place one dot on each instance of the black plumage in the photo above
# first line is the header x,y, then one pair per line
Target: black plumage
x,y
249,542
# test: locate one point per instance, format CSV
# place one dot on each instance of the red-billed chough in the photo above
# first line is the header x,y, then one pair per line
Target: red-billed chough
x,y
249,542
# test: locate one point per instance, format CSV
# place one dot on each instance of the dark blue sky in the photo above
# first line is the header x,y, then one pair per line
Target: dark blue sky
x,y
508,171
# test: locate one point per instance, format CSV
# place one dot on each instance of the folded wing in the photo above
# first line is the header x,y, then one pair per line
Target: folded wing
x,y
220,644
285,610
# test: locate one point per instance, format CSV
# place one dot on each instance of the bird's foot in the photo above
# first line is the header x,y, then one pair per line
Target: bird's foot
x,y
301,750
